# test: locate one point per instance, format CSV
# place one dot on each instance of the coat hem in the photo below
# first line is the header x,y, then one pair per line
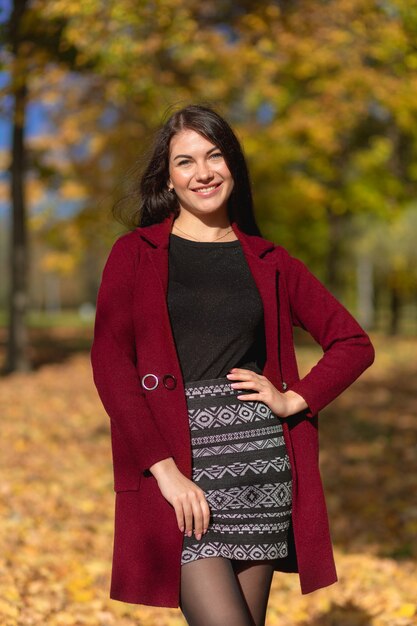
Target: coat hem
x,y
174,604
130,599
310,589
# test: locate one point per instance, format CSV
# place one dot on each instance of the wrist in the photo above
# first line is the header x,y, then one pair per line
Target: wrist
x,y
294,403
161,468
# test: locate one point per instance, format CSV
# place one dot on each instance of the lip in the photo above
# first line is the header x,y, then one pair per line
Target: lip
x,y
209,194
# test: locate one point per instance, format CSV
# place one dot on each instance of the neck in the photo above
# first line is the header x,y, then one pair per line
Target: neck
x,y
206,228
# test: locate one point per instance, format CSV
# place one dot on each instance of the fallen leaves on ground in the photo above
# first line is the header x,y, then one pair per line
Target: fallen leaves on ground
x,y
57,502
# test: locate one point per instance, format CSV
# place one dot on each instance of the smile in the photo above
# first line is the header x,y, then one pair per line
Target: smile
x,y
206,191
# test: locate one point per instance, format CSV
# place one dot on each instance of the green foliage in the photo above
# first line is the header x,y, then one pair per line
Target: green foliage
x,y
323,96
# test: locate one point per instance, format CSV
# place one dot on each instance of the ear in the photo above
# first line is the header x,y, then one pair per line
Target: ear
x,y
170,185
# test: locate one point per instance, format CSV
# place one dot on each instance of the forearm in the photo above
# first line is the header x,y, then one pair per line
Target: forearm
x,y
347,349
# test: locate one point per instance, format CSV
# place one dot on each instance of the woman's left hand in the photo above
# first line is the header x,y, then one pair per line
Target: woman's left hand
x,y
282,404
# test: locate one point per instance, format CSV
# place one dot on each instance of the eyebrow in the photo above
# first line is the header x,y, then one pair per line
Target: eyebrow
x,y
187,156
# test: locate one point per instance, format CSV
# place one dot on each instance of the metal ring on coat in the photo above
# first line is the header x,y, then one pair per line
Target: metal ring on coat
x,y
171,385
156,381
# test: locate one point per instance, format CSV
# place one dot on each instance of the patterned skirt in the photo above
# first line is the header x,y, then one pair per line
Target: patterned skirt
x,y
240,461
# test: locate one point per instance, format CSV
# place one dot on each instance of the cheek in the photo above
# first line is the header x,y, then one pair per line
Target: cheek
x,y
180,179
226,173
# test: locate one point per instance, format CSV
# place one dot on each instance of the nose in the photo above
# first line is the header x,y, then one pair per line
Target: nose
x,y
203,171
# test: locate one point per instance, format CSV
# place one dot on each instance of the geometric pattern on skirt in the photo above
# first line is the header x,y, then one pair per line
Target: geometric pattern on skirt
x,y
240,461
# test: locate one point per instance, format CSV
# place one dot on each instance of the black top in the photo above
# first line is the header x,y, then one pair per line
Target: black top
x,y
215,309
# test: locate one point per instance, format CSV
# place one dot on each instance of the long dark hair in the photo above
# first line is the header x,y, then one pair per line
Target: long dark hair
x,y
157,202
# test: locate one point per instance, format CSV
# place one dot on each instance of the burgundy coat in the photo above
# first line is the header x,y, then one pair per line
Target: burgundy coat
x,y
133,337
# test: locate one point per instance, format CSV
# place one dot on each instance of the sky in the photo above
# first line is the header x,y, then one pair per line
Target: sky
x,y
36,114
5,9
36,117
38,123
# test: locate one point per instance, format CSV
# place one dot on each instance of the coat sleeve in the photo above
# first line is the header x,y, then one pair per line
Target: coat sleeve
x,y
347,349
113,358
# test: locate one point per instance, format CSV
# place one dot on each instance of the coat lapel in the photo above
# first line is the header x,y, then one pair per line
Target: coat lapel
x,y
264,270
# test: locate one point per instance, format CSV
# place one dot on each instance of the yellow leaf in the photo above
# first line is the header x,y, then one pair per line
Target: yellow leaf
x,y
79,588
8,610
406,610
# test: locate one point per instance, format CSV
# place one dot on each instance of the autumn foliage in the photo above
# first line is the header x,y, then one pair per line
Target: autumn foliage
x,y
57,503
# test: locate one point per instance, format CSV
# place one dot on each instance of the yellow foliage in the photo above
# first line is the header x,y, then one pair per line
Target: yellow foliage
x,y
56,509
61,262
406,610
80,588
73,190
8,610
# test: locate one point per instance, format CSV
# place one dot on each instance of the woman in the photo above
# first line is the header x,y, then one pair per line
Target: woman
x,y
214,435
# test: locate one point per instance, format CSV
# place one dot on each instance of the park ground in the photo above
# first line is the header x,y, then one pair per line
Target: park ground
x,y
57,500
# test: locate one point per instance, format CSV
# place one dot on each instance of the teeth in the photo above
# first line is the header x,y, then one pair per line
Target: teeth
x,y
206,189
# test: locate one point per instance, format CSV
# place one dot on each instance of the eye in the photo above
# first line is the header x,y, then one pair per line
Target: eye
x,y
216,155
184,162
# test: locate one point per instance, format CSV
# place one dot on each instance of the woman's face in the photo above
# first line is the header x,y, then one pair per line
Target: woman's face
x,y
199,174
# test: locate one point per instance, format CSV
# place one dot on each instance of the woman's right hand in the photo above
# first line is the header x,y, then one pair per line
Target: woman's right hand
x,y
188,500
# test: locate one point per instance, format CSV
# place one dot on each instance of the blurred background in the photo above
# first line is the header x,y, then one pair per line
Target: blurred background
x,y
323,96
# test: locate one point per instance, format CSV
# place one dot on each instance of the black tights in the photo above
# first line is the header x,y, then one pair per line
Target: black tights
x,y
216,591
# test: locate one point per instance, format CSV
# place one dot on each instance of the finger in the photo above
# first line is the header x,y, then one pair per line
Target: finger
x,y
179,514
188,517
206,514
198,518
253,396
247,384
249,388
242,373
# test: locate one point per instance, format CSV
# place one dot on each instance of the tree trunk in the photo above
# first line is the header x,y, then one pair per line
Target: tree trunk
x,y
17,348
395,311
365,283
52,293
334,252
